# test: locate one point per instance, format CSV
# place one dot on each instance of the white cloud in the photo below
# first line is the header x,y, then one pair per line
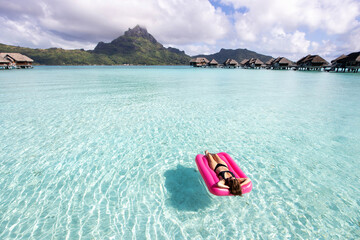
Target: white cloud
x,y
279,43
197,49
170,21
289,28
335,17
327,49
26,34
352,40
280,27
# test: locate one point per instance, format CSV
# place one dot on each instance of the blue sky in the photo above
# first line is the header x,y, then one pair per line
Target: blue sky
x,y
292,28
228,9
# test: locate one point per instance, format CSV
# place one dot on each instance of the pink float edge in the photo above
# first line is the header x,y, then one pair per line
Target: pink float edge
x,y
211,179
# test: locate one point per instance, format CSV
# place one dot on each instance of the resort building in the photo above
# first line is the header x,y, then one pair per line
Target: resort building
x,y
243,62
337,65
252,63
15,60
4,63
269,63
312,62
199,62
346,63
213,63
231,63
280,63
255,63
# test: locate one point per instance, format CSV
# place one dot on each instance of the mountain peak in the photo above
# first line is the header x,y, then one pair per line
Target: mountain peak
x,y
138,31
137,46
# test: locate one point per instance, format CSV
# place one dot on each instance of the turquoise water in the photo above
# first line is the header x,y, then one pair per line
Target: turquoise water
x,y
108,152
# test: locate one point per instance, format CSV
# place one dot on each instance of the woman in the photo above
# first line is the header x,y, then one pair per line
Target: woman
x,y
227,178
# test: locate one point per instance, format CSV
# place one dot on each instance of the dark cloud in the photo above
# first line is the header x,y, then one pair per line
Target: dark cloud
x,y
19,10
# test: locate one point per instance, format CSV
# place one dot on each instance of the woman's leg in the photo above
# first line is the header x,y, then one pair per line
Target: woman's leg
x,y
211,160
218,159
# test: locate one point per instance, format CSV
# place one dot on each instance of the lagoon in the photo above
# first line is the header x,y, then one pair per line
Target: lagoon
x,y
109,152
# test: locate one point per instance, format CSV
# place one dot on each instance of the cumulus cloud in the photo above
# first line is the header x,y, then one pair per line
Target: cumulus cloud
x,y
197,49
288,28
68,22
326,49
350,40
335,17
285,43
282,27
26,34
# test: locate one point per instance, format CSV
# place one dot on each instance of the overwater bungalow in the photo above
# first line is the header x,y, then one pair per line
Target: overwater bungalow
x,y
281,63
4,63
312,62
336,65
252,63
199,62
231,63
17,60
244,62
255,63
346,63
213,63
269,63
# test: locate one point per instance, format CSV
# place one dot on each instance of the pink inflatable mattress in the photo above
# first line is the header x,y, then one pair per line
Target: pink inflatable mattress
x,y
211,179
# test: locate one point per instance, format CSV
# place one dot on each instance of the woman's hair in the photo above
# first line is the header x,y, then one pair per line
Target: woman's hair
x,y
234,185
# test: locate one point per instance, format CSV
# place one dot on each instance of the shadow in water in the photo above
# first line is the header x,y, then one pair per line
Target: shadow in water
x,y
187,192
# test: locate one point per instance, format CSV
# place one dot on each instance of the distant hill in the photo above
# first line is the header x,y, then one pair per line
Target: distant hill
x,y
59,56
237,54
136,46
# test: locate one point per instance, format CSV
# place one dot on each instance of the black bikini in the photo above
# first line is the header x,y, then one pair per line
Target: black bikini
x,y
222,173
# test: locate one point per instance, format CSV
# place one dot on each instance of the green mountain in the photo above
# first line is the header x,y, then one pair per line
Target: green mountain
x,y
136,46
237,54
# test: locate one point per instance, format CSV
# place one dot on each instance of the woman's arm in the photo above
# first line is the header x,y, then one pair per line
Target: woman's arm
x,y
244,181
221,184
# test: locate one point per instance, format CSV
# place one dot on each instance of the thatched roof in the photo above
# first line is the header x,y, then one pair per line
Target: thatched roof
x,y
2,55
3,60
255,61
339,58
352,57
258,62
357,59
284,60
270,61
318,59
18,57
227,61
231,62
199,60
304,59
312,59
243,62
213,62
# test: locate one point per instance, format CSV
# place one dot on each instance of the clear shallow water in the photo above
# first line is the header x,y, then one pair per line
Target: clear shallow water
x,y
108,152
